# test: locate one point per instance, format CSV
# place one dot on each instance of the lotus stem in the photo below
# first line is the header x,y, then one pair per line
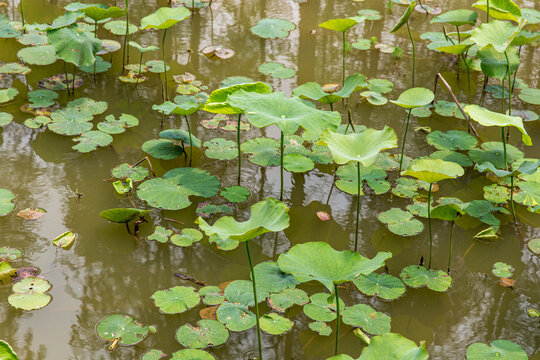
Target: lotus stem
x,y
22,14
422,6
190,140
450,251
164,64
429,224
404,138
73,80
140,69
509,84
413,52
359,191
515,72
349,119
281,165
128,229
464,57
255,298
331,107
458,35
512,198
504,147
239,151
126,38
66,75
487,11
343,60
95,35
338,319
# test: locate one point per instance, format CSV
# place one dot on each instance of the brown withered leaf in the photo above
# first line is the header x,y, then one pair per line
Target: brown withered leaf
x,y
323,215
506,282
31,214
209,313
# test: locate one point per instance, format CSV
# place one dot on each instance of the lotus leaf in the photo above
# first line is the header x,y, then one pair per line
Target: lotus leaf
x,y
287,298
297,163
525,37
496,33
6,29
123,328
340,357
452,140
433,170
180,135
529,194
6,201
236,317
122,187
456,17
42,98
530,96
5,118
322,307
235,193
206,210
496,194
272,28
187,237
164,18
447,212
153,354
90,140
276,70
374,98
7,272
74,46
101,66
365,317
118,27
65,240
385,286
37,55
212,295
156,66
176,300
160,234
498,349
275,324
218,101
415,97
96,12
401,222
340,25
8,94
14,68
30,294
501,269
534,246
6,352
321,328
405,17
123,215
162,149
362,44
392,346
452,156
221,149
111,125
314,91
382,86
500,9
206,333
126,171
417,276
240,292
372,175
494,63
271,279
448,108
58,82
9,254
492,152
483,210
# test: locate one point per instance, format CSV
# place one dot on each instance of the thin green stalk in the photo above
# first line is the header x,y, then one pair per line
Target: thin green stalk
x,y
331,107
73,80
140,69
429,223
66,75
487,11
190,141
512,198
423,7
404,138
22,14
281,165
413,52
509,84
126,37
504,147
164,64
238,144
343,60
515,72
468,77
359,191
95,35
450,252
458,35
255,298
337,319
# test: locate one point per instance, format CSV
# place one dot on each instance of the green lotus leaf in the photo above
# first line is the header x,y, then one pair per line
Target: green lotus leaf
x,y
362,44
501,269
205,333
392,346
451,140
494,64
525,38
160,234
14,68
7,272
180,135
65,240
407,188
123,215
235,80
212,295
236,317
153,354
6,352
156,66
433,170
96,12
361,147
500,9
187,237
9,254
340,25
271,279
141,48
164,18
118,27
218,101
275,324
493,152
277,70
448,212
176,300
401,222
269,215
6,28
382,86
86,104
456,17
416,276
30,294
530,96
182,105
206,209
529,194
221,149
235,193
287,298
320,154
531,15
340,357
126,171
73,45
373,176
484,211
162,149
111,125
123,328
6,201
297,163
42,98
496,194
321,328
91,140
498,34
8,94
322,307
319,261
374,98
365,317
385,286
5,118
69,127
405,17
263,151
314,91
534,246
486,117
37,55
415,97
123,187
498,349
448,108
192,354
452,156
101,66
272,28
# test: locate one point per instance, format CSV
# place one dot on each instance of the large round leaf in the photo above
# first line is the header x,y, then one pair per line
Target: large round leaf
x,y
417,276
37,55
74,45
218,101
236,317
393,347
162,149
340,25
91,140
415,97
385,286
206,333
270,278
275,324
451,140
365,317
192,354
498,34
272,28
433,170
176,300
164,18
401,222
498,349
123,328
500,9
456,17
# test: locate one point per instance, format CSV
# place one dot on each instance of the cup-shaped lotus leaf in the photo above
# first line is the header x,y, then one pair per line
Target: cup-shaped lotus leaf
x,y
415,97
340,25
393,346
433,170
496,33
218,102
6,352
320,262
500,9
362,147
486,117
96,12
269,215
405,17
73,45
123,215
164,18
314,91
141,48
287,113
456,17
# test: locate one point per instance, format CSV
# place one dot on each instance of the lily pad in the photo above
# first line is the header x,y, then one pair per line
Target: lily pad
x,y
123,328
211,295
276,70
415,97
73,45
111,125
126,171
187,237
235,193
65,240
451,140
433,170
236,317
272,28
385,286
322,307
263,151
205,333
498,349
534,246
456,17
42,98
8,94
240,292
6,201
37,55
373,176
153,354
192,354
5,118
271,279
9,254
160,234
530,96
30,294
401,222
176,300
118,27
91,140
275,324
501,269
58,82
287,298
416,276
321,328
162,149
14,68
393,347
297,163
365,317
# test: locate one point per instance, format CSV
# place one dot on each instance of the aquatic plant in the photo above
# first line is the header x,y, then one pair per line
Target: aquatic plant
x,y
404,20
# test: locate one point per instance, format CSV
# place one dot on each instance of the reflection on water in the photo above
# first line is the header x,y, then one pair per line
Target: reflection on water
x,y
105,272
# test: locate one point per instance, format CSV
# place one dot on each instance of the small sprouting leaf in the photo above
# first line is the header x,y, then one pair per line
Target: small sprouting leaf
x,y
65,240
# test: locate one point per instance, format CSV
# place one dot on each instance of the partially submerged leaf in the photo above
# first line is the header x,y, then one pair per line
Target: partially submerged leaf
x,y
65,240
123,215
417,276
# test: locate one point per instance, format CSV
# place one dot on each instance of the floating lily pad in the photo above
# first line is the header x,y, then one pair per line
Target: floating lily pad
x,y
373,176
162,149
205,333
156,66
501,269
176,300
153,354
9,254
321,328
160,234
37,55
362,44
272,279
452,156
534,246
263,151
297,163
272,28
30,294
530,96
275,324
91,140
65,240
484,211
8,94
235,193
123,215
187,237
287,298
192,354
101,66
241,292
6,29
212,295
365,317
498,349
393,346
401,222
451,140
14,68
111,125
5,118
42,98
385,286
73,45
123,328
322,307
126,171
417,276
236,317
206,209
382,86
415,97
6,201
276,70
493,152
118,27
374,98
37,122
182,136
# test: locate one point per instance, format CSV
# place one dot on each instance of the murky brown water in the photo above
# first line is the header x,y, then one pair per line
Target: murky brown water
x,y
105,272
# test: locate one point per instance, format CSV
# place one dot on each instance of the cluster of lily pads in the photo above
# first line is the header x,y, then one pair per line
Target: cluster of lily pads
x,y
309,136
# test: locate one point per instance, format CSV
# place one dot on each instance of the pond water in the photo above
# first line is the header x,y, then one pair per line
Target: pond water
x,y
107,272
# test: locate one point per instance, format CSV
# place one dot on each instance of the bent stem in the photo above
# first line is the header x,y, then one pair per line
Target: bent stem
x,y
359,190
404,138
337,320
413,52
255,298
238,144
429,223
281,165
450,252
164,64
190,141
